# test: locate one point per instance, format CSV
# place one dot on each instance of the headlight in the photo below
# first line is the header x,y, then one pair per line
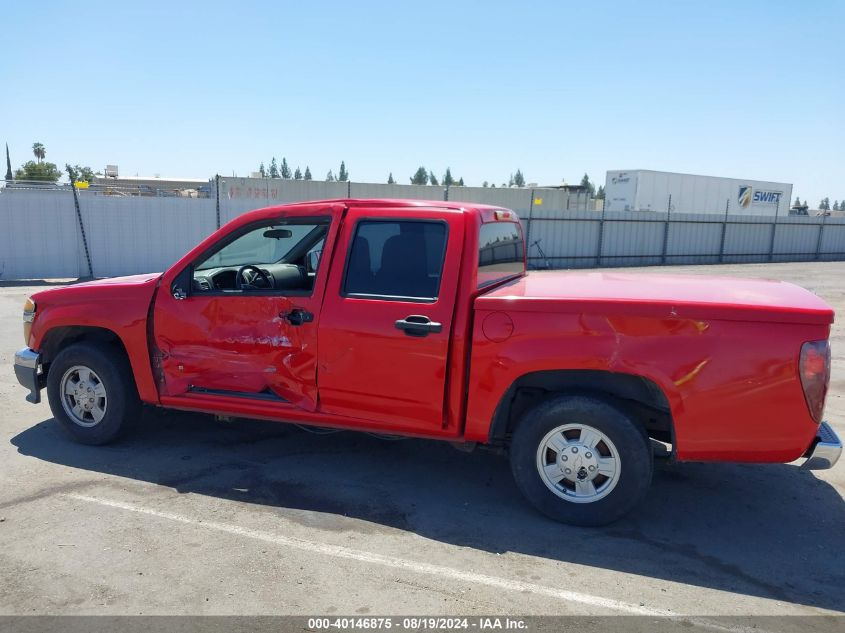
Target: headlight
x,y
28,318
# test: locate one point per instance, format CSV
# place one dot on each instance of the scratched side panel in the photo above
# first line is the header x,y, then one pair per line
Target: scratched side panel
x,y
732,386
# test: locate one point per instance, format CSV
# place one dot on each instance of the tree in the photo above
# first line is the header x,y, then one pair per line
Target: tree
x,y
824,205
9,174
261,170
836,205
39,151
307,173
297,175
420,177
493,186
461,182
285,169
448,180
31,170
585,182
432,179
79,173
485,184
390,180
342,174
274,168
519,179
600,192
797,202
511,182
330,176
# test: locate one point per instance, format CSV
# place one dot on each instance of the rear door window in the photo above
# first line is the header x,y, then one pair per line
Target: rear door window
x,y
396,259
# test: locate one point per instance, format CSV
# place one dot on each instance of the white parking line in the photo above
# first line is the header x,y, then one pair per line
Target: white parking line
x,y
339,551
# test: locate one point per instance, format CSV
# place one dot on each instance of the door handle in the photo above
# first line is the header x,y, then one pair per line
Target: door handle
x,y
418,325
297,316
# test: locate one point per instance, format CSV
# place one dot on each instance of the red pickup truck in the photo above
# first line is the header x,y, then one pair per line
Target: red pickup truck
x,y
419,318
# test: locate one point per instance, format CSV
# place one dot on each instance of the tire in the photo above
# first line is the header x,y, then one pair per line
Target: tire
x,y
607,476
103,391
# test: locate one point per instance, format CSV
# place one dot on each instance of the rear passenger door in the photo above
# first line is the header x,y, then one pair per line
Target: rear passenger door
x,y
387,318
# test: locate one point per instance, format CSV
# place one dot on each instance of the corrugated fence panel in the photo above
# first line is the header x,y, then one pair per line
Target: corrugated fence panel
x,y
563,244
796,238
633,242
136,235
747,239
832,243
518,200
413,192
239,195
694,238
39,236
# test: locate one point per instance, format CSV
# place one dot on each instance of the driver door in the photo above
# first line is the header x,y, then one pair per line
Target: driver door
x,y
247,327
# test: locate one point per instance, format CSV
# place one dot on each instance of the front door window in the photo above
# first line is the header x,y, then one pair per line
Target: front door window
x,y
268,258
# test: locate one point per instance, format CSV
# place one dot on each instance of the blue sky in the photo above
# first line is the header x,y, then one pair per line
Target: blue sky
x,y
743,89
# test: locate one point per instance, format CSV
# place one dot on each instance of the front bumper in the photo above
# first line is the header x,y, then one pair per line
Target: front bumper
x,y
28,372
825,450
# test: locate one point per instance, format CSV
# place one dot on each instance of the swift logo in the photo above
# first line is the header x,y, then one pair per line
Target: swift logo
x,y
747,196
767,197
744,196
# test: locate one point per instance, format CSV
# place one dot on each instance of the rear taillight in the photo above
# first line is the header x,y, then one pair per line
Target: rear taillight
x,y
814,369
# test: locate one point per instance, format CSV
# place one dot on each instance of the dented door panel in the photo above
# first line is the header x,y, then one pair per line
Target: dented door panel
x,y
237,344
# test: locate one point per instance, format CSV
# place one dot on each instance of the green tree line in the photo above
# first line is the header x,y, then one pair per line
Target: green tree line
x,y
42,170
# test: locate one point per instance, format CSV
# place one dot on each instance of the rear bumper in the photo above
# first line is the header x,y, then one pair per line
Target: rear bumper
x,y
27,371
825,450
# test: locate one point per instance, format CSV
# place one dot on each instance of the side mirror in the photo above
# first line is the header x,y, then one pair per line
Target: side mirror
x,y
180,286
314,260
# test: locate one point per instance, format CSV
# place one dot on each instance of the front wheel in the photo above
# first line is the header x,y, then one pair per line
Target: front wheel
x,y
92,393
580,460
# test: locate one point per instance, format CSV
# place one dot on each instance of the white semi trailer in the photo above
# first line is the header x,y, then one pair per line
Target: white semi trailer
x,y
646,190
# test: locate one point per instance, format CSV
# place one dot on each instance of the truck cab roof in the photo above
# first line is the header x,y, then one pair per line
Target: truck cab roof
x,y
486,211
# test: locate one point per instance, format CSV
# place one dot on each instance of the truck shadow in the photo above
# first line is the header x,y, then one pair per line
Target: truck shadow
x,y
769,530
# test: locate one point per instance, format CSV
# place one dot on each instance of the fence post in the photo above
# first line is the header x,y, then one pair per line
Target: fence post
x,y
819,240
217,197
81,225
528,228
774,231
601,235
666,230
724,231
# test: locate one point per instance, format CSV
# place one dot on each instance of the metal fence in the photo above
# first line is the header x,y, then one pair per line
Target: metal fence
x,y
604,239
44,234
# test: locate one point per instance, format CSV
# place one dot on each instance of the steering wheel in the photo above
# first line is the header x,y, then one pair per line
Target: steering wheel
x,y
240,280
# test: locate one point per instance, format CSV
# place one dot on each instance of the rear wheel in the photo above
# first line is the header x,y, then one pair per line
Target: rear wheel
x,y
580,460
92,393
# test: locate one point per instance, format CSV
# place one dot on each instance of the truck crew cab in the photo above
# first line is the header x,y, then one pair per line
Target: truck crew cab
x,y
419,318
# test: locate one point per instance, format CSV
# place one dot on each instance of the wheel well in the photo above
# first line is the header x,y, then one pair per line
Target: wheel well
x,y
58,338
640,397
